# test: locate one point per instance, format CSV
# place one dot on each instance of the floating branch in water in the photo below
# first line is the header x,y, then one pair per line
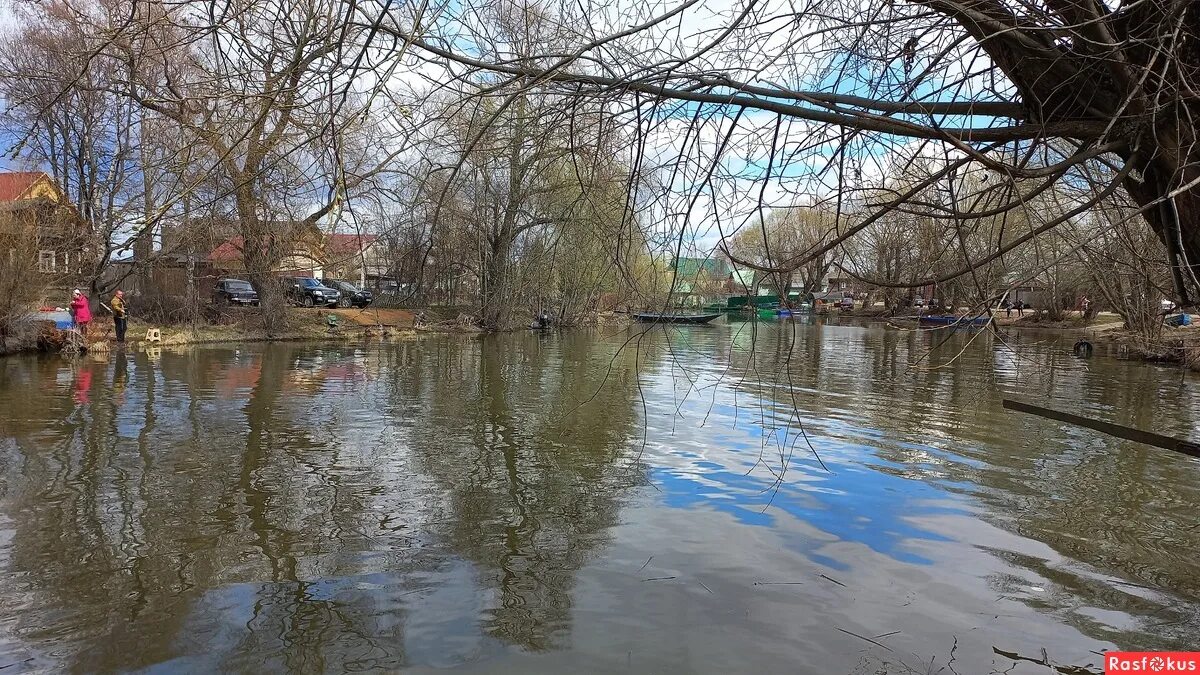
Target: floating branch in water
x,y
861,637
1118,430
1045,661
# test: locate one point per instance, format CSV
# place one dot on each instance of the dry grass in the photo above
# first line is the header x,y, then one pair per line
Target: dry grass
x,y
1103,322
1173,345
302,325
372,316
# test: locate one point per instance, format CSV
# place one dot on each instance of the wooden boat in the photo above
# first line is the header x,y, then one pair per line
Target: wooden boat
x,y
951,320
655,317
1178,320
752,302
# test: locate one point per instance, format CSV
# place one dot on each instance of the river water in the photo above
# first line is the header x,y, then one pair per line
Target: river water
x,y
632,499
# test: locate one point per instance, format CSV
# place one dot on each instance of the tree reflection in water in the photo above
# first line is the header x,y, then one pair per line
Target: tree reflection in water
x,y
452,501
534,474
293,507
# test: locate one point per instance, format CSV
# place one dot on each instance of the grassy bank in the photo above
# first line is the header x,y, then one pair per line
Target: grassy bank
x,y
301,324
234,326
1172,345
1102,322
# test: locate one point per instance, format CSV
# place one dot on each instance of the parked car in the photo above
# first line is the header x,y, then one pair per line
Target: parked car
x,y
235,292
918,302
846,302
351,295
309,292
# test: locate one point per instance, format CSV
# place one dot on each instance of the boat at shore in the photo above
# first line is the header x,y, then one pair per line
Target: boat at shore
x,y
658,317
948,320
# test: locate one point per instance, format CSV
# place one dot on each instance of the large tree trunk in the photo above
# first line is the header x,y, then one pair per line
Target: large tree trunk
x,y
143,244
259,259
1131,69
1164,148
783,286
1175,220
261,274
494,310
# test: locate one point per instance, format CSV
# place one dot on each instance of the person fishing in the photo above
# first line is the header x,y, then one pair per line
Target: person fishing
x,y
81,311
120,320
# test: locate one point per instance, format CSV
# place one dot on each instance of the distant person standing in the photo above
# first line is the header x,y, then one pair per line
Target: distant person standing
x,y
120,321
81,311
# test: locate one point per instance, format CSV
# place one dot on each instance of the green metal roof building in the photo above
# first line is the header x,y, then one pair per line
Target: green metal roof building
x,y
688,268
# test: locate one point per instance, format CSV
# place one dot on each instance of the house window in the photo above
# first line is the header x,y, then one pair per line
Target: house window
x,y
46,260
66,262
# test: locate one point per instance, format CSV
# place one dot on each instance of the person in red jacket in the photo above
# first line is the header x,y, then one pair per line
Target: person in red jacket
x,y
81,311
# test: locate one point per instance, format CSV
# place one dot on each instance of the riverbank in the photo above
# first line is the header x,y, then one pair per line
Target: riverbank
x,y
1073,321
1176,345
1179,345
237,326
301,325
1173,345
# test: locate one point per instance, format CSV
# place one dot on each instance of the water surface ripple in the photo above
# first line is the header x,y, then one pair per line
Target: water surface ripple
x,y
801,496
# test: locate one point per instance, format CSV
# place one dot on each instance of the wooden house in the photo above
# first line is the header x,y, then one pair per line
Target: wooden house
x,y
42,228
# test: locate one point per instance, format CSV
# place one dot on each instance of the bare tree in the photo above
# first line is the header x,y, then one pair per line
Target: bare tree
x,y
1023,90
1127,265
996,103
60,116
784,235
260,98
522,164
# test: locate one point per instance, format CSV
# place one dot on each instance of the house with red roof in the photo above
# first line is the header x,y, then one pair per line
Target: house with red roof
x,y
357,258
352,257
18,186
39,223
304,256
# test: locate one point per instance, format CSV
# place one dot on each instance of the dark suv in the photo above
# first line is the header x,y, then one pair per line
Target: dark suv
x,y
351,295
310,292
235,292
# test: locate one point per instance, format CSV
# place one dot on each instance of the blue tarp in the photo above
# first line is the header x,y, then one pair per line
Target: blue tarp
x,y
62,320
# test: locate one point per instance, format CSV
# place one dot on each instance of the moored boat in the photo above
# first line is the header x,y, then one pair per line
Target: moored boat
x,y
951,320
658,317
